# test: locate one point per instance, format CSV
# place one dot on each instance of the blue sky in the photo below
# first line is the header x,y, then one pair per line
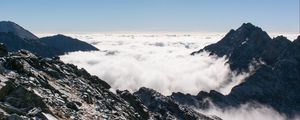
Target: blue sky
x,y
151,15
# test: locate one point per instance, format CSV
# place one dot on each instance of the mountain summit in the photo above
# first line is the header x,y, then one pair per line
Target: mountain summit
x,y
246,46
274,82
8,26
235,38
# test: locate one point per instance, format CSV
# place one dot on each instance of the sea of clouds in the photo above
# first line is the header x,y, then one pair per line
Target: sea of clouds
x,y
163,62
159,61
253,111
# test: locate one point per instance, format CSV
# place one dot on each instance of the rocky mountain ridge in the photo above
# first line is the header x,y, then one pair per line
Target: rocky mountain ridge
x,y
246,45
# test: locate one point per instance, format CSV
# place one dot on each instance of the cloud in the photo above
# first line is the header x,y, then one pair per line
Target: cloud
x,y
253,111
161,62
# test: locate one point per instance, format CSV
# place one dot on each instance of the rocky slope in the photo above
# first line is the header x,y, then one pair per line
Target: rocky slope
x,y
166,108
16,38
32,87
275,83
37,87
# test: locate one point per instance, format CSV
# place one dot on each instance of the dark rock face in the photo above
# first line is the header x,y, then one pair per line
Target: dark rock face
x,y
16,38
66,44
275,83
166,108
135,102
235,38
7,26
3,50
248,44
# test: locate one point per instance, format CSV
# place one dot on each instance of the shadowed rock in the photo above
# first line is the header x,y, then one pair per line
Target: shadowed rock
x,y
8,26
166,108
274,83
16,38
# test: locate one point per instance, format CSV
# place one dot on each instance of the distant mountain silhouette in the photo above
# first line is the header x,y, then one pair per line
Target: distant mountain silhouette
x,y
8,26
66,44
16,38
14,43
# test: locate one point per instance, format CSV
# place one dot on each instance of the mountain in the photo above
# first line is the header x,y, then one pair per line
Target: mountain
x,y
66,44
275,82
8,26
32,87
16,38
248,45
15,43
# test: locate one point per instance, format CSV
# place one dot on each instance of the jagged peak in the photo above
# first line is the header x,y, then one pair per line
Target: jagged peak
x,y
246,30
148,90
247,26
280,37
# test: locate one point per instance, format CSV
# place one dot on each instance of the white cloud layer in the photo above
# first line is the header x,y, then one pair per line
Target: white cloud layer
x,y
247,112
159,61
162,62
